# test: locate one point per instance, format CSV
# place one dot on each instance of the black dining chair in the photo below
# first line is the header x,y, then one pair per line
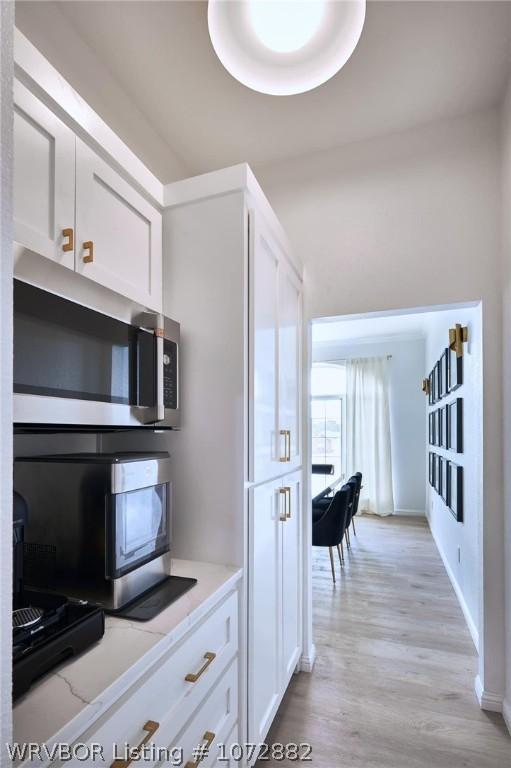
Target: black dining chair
x,y
322,501
353,483
329,525
355,479
349,515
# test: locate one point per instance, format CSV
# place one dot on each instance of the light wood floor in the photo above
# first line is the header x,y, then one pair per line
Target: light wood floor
x,y
393,685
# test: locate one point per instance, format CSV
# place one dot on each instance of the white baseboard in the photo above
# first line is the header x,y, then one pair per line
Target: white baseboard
x,y
307,660
410,512
492,702
506,713
459,594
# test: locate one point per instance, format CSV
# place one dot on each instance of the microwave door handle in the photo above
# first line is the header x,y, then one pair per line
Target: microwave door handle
x,y
160,402
152,321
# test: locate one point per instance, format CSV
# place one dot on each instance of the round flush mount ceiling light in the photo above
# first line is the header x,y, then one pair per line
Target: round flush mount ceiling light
x,y
284,47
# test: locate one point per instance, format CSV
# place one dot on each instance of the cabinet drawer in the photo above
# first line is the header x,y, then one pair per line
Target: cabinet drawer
x,y
172,688
212,724
225,757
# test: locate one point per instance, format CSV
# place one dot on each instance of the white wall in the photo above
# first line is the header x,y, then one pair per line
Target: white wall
x,y
413,220
50,31
6,118
450,536
407,410
506,355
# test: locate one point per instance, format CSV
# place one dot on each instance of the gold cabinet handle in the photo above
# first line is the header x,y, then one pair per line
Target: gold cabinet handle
x,y
288,502
192,677
286,434
285,491
208,739
88,246
150,727
283,515
70,235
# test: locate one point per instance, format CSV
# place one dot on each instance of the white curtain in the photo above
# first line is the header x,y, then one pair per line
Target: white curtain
x,y
368,432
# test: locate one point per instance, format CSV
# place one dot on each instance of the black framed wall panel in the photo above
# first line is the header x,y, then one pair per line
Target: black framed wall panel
x,y
432,436
455,480
432,468
455,425
454,371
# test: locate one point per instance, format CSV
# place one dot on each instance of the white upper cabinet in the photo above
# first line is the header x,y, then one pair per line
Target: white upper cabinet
x,y
44,180
118,233
264,269
289,363
73,208
276,323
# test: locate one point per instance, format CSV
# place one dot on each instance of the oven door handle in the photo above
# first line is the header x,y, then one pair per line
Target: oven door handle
x,y
152,321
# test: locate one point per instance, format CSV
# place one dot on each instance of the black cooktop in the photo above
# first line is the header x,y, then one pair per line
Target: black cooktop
x,y
47,629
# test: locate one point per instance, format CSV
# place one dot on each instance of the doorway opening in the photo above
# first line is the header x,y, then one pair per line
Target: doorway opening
x,y
392,401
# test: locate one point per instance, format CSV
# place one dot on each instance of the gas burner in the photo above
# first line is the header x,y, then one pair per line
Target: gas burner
x,y
26,617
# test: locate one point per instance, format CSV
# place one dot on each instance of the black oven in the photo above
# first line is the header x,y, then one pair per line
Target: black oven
x,y
76,366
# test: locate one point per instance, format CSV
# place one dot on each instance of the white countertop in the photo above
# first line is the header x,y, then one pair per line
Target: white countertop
x,y
67,700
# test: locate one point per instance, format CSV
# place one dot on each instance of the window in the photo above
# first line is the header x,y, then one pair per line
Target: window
x,y
327,422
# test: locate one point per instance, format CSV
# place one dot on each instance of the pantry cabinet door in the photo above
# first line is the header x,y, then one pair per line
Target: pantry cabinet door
x,y
291,577
264,266
44,179
290,336
264,606
119,233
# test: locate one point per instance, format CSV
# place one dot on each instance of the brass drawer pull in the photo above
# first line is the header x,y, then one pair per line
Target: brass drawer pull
x,y
286,434
192,677
69,233
89,256
151,727
208,739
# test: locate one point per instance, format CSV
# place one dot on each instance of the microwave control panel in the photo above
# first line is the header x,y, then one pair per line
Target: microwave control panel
x,y
170,374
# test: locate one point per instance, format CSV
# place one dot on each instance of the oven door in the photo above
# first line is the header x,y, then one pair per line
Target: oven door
x,y
74,366
138,515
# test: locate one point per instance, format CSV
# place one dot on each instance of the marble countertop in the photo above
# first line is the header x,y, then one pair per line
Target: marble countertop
x,y
68,699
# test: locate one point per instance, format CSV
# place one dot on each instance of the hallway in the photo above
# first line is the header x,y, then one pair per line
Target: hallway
x,y
393,685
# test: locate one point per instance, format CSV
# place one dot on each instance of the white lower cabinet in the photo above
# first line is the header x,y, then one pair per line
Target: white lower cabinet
x,y
187,697
274,585
291,578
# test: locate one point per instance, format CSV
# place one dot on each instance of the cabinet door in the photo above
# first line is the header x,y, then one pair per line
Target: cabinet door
x,y
118,232
264,266
290,336
44,179
264,601
291,577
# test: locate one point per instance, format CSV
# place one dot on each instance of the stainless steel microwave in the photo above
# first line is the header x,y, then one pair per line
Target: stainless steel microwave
x,y
77,367
99,525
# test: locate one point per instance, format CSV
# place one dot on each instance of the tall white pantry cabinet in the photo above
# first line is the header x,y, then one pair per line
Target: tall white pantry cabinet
x,y
230,279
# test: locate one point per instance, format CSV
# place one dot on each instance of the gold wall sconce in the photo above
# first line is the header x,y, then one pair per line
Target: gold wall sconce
x,y
457,337
425,386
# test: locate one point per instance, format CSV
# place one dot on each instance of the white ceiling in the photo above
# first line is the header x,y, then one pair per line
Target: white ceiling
x,y
416,62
